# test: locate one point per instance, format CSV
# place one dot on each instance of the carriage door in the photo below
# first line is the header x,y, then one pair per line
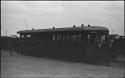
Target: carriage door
x,y
92,41
96,44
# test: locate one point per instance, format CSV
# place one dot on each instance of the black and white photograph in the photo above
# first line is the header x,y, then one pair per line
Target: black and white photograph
x,y
62,39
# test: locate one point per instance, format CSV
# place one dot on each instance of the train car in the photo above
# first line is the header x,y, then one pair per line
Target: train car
x,y
69,42
118,46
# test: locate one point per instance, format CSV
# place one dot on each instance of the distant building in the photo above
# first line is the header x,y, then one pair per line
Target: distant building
x,y
13,36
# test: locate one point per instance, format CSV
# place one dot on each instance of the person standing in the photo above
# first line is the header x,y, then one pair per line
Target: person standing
x,y
17,47
10,46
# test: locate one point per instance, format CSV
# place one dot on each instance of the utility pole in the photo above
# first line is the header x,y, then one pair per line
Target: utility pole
x,y
26,24
124,30
6,32
113,31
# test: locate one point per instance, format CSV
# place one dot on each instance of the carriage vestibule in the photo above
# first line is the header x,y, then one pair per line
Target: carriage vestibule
x,y
96,37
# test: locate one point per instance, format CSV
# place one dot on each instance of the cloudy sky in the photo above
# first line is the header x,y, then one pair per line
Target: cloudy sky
x,y
46,14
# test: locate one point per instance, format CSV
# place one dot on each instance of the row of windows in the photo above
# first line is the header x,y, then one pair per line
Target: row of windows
x,y
25,36
54,37
66,37
94,38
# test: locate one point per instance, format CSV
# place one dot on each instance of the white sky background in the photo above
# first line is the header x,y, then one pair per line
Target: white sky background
x,y
46,14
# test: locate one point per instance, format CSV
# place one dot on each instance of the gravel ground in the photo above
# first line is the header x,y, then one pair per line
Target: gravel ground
x,y
20,66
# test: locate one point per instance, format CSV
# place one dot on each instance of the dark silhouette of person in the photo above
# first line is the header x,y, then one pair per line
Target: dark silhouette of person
x,y
17,47
10,46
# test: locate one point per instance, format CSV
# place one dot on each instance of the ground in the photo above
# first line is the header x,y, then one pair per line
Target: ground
x,y
20,66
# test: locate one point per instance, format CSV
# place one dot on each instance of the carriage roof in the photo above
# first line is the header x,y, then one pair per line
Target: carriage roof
x,y
85,28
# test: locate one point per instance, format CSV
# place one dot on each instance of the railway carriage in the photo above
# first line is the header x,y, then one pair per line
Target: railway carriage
x,y
69,42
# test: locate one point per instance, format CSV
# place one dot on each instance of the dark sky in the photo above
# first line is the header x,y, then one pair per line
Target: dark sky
x,y
46,14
